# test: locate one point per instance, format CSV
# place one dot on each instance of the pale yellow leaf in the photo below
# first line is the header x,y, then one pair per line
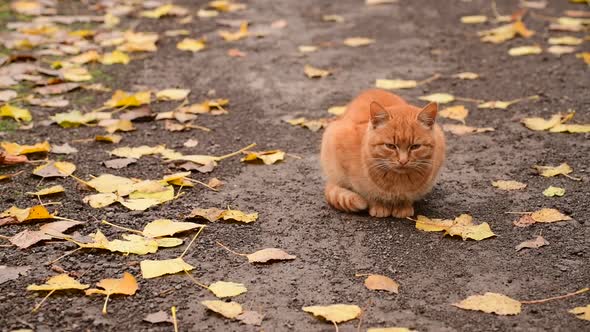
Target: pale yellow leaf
x,y
336,313
395,84
108,183
269,254
552,191
381,282
466,76
498,304
441,98
358,41
508,185
239,216
115,57
581,312
565,40
432,225
58,282
172,94
165,227
474,19
192,45
547,215
464,130
55,169
223,289
267,157
525,50
337,110
307,48
458,113
313,72
48,191
156,268
98,201
229,310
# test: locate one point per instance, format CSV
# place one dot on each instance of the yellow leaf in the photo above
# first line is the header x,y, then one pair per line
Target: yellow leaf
x,y
90,56
560,50
337,110
461,130
133,244
508,185
464,227
491,303
499,34
549,215
495,104
58,282
75,74
267,157
172,94
313,72
584,56
458,113
581,312
223,289
432,225
165,227
466,76
234,36
16,113
108,138
358,41
124,99
380,282
395,84
522,30
550,171
76,118
107,183
27,7
168,242
226,6
114,125
114,58
48,191
152,190
139,42
566,40
207,13
137,152
571,128
441,98
313,125
333,18
552,191
307,48
156,268
474,19
239,216
127,285
211,214
140,204
269,254
336,313
100,200
525,50
55,169
157,12
229,310
16,149
193,45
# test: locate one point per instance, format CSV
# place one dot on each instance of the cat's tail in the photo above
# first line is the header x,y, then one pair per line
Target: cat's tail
x,y
344,199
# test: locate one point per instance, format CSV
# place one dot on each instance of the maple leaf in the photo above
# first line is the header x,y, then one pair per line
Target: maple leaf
x,y
127,285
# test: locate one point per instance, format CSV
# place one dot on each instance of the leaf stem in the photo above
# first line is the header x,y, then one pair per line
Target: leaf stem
x,y
64,255
430,79
106,301
174,321
195,281
201,183
228,249
121,227
191,243
45,298
583,290
237,152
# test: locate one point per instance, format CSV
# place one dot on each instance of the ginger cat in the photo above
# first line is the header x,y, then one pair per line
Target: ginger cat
x,y
382,154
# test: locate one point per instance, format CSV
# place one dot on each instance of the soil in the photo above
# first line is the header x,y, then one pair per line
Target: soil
x,y
414,40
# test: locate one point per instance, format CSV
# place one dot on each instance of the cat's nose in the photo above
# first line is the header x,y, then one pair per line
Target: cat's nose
x,y
403,162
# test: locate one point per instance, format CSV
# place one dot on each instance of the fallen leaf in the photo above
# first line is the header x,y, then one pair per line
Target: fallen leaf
x,y
552,191
55,169
539,241
123,99
127,285
491,303
7,95
165,227
267,157
234,36
249,317
570,128
524,221
336,313
119,163
498,104
550,171
313,72
17,149
540,124
432,225
584,56
139,42
155,268
546,215
172,94
379,2
8,273
395,84
75,74
48,191
56,88
332,18
192,45
525,50
114,125
560,50
223,289
48,231
98,201
16,113
337,110
464,227
115,57
466,76
565,40
269,254
389,329
108,183
229,310
157,12
307,48
581,312
358,41
211,214
508,185
226,6
77,118
441,98
14,215
58,282
461,130
381,282
215,183
158,317
313,125
234,52
458,113
63,149
474,19
108,138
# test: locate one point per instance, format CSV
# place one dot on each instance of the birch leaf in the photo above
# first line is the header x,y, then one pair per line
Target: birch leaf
x,y
552,191
381,282
498,304
269,254
165,227
395,84
155,268
336,313
441,98
48,191
229,310
55,169
546,215
223,289
508,185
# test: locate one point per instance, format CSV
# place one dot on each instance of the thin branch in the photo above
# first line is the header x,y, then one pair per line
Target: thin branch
x,y
237,152
195,281
583,290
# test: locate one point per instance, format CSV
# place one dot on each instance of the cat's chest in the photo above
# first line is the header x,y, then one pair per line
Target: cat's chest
x,y
391,190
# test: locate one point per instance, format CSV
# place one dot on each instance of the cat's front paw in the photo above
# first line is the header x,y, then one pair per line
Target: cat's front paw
x,y
403,211
379,211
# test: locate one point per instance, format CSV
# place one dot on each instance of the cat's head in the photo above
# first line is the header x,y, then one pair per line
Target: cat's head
x,y
400,139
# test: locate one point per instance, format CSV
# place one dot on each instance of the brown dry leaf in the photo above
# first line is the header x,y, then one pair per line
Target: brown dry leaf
x,y
119,163
127,285
458,113
211,214
55,102
581,312
8,273
56,88
48,231
63,149
498,304
215,183
235,53
546,215
250,317
335,313
229,310
508,185
158,317
524,221
381,282
267,157
269,254
313,72
55,169
461,130
538,242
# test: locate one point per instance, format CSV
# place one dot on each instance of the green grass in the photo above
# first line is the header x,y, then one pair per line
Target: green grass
x,y
8,125
100,76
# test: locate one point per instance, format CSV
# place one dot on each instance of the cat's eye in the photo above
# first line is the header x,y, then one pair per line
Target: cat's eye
x,y
415,146
390,146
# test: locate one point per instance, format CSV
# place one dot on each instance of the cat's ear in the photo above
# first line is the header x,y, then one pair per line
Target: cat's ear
x,y
428,114
379,116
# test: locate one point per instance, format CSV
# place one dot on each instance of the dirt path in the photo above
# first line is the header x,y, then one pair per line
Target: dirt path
x,y
414,40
